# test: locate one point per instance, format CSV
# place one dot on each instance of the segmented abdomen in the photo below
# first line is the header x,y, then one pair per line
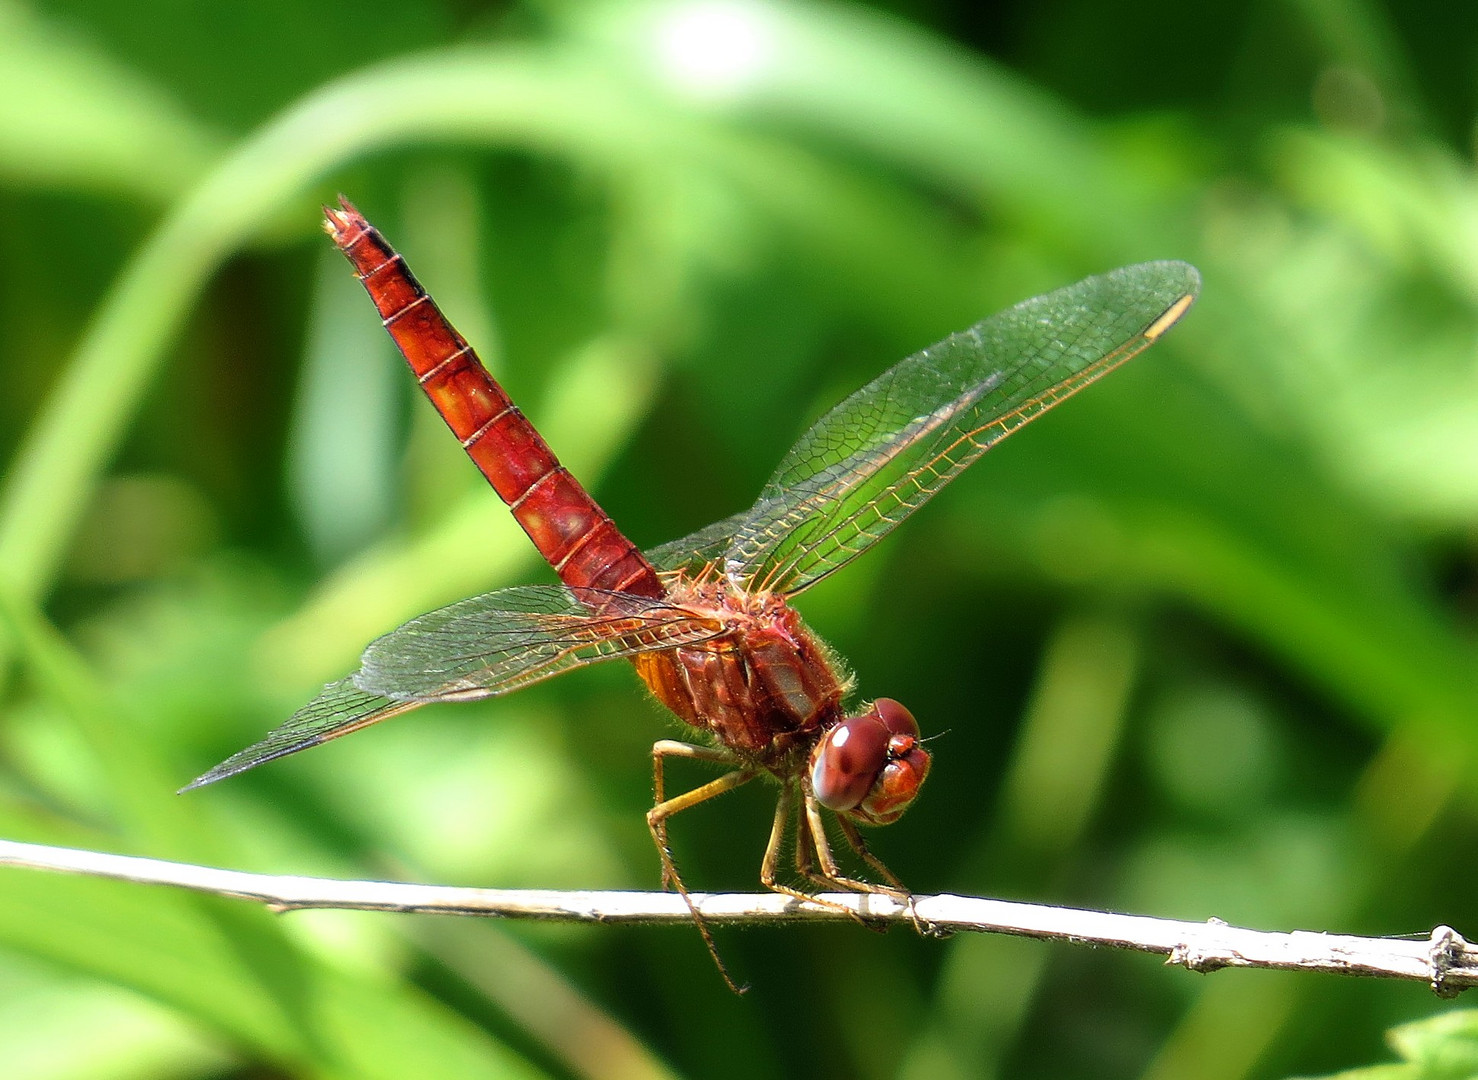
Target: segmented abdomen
x,y
567,526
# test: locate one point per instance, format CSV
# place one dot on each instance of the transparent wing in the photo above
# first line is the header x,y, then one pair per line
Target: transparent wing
x,y
477,648
506,640
886,450
693,552
340,709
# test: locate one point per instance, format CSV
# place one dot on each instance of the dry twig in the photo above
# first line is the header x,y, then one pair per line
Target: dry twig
x,y
1444,960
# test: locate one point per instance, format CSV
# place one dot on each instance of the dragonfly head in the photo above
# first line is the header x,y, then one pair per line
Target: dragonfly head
x,y
870,766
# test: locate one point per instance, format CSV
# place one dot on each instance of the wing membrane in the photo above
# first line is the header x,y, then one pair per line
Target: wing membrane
x,y
476,648
341,708
703,548
506,640
891,446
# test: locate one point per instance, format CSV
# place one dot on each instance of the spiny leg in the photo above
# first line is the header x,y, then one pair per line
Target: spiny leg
x,y
657,823
811,838
666,748
804,851
657,817
859,845
830,874
805,848
830,871
769,868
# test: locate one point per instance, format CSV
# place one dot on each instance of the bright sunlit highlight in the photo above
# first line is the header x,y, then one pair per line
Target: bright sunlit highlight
x,y
714,50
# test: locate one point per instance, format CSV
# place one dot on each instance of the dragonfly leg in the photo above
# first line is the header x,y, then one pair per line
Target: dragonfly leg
x,y
657,823
830,872
661,750
859,845
805,853
769,869
895,887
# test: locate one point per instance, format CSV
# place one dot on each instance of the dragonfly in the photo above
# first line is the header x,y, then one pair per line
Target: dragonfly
x,y
707,620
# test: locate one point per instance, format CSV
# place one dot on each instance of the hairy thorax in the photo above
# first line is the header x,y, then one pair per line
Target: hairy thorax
x,y
763,688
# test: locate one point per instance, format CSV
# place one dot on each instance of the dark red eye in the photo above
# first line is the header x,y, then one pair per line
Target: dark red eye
x,y
894,717
848,761
870,766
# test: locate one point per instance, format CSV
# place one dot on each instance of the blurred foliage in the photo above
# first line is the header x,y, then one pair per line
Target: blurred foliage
x,y
1201,643
1442,1048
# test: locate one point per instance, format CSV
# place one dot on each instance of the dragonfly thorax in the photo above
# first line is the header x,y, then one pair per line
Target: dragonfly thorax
x,y
761,688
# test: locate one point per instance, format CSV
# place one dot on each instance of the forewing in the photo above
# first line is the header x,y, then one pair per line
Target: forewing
x,y
340,709
506,640
477,648
886,450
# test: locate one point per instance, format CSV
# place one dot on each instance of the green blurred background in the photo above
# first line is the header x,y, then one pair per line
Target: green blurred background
x,y
1199,644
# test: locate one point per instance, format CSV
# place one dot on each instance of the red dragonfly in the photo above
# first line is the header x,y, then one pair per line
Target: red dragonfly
x,y
706,619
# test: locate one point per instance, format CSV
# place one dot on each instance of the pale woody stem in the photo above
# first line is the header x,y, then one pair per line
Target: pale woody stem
x,y
1444,960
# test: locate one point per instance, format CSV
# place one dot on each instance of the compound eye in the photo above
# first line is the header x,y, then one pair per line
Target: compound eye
x,y
846,763
895,718
870,766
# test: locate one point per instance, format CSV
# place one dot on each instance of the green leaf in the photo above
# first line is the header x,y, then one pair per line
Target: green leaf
x,y
1442,1047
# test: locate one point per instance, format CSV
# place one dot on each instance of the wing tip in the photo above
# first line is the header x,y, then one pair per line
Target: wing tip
x,y
1168,318
249,758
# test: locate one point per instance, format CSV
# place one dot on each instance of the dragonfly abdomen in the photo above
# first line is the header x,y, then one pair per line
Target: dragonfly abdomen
x,y
568,527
